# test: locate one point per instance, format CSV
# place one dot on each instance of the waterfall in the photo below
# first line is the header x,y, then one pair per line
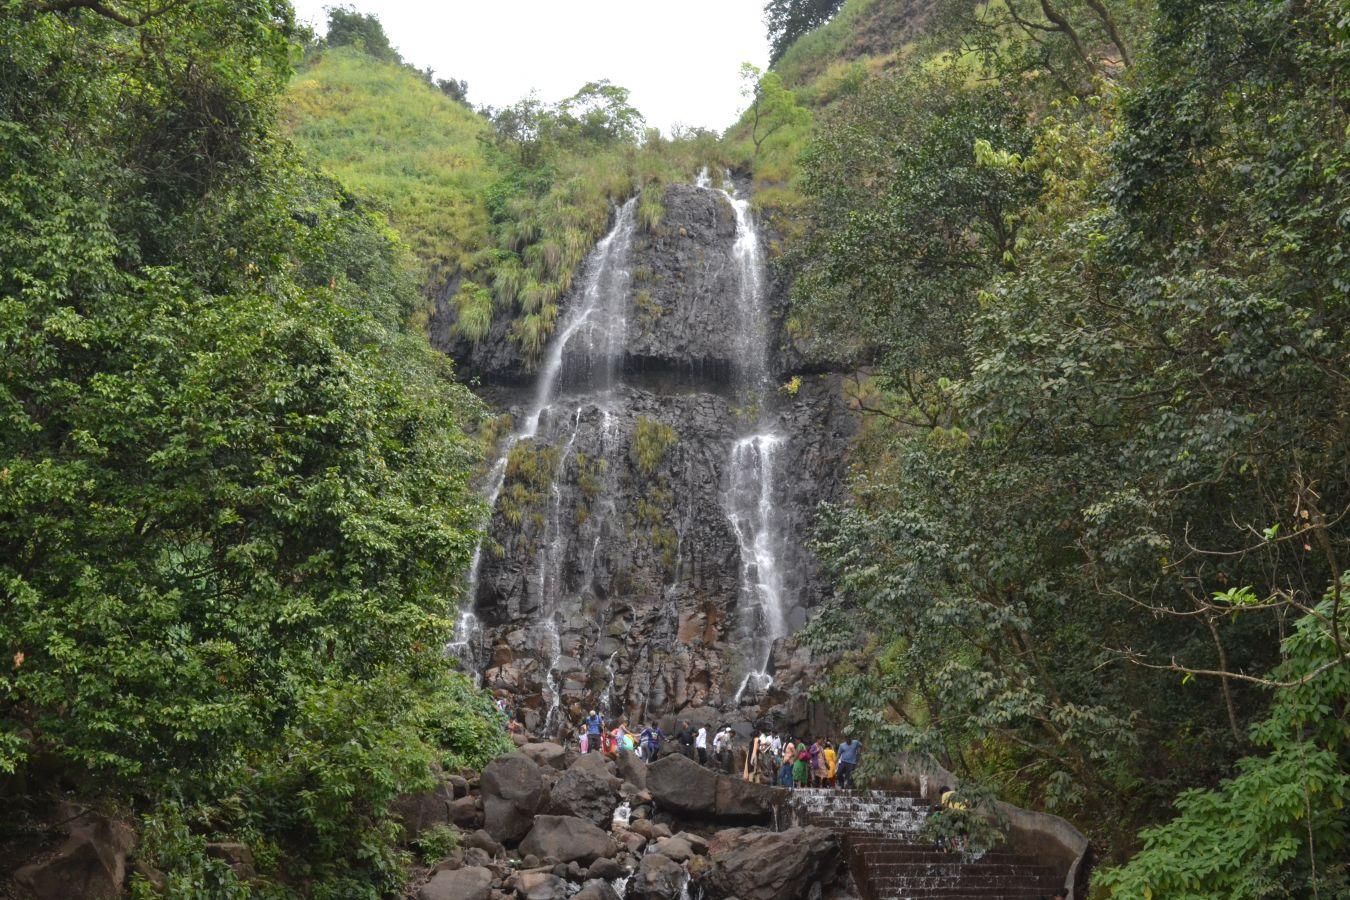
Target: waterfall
x,y
752,498
585,355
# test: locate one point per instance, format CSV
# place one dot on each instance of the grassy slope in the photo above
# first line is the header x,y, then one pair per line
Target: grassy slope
x,y
394,140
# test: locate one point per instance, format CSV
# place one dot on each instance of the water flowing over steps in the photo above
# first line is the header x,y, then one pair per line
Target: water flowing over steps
x,y
889,862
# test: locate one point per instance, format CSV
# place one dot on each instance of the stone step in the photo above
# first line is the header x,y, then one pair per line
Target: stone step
x,y
957,868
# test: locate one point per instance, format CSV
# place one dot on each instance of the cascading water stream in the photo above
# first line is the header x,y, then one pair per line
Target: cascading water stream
x,y
586,351
752,495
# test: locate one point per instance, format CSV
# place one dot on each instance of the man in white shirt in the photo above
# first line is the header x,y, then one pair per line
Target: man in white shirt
x,y
701,745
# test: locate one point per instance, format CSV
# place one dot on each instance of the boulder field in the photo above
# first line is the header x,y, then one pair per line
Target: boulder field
x,y
549,824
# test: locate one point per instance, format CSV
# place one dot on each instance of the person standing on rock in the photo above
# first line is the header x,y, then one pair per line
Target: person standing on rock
x,y
701,745
595,727
831,760
722,749
850,754
686,739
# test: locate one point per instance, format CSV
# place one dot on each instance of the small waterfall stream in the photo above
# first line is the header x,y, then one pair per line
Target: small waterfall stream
x,y
753,490
585,353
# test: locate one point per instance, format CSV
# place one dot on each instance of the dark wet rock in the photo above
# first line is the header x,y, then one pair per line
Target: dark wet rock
x,y
658,877
513,791
768,865
469,883
567,838
605,869
682,785
587,794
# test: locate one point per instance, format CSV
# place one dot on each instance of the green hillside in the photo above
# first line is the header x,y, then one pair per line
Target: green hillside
x,y
395,140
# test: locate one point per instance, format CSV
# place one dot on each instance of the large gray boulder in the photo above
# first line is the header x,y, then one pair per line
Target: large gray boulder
x,y
547,754
771,865
631,768
513,791
679,784
586,792
90,865
471,883
567,838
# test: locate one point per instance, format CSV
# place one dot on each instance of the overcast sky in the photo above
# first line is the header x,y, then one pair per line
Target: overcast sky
x,y
678,57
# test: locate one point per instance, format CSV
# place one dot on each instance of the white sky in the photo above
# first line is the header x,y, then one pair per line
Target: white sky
x,y
678,57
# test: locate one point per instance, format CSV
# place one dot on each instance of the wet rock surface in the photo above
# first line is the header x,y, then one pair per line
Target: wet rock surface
x,y
767,865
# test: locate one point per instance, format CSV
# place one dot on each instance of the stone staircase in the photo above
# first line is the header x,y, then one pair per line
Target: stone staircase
x,y
889,861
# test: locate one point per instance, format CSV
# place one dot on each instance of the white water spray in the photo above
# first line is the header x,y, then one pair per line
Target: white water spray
x,y
588,346
752,495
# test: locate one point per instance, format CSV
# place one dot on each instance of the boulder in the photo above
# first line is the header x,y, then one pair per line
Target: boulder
x,y
631,768
540,886
595,762
547,754
605,869
418,812
567,838
740,799
459,786
769,865
477,856
586,793
596,890
470,883
658,878
682,785
632,841
513,791
464,813
90,865
675,848
482,840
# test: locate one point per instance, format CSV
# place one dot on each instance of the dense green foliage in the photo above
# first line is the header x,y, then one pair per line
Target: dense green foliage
x,y
1263,832
1102,298
233,481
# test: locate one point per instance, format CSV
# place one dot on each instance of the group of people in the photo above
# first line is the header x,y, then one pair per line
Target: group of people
x,y
649,742
772,759
793,763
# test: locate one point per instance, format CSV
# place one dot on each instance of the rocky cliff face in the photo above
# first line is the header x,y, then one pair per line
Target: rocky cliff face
x,y
656,490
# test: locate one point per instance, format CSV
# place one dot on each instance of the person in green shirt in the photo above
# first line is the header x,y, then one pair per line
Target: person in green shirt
x,y
800,771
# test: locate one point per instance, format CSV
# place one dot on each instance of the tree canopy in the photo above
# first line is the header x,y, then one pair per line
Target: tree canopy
x,y
234,481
